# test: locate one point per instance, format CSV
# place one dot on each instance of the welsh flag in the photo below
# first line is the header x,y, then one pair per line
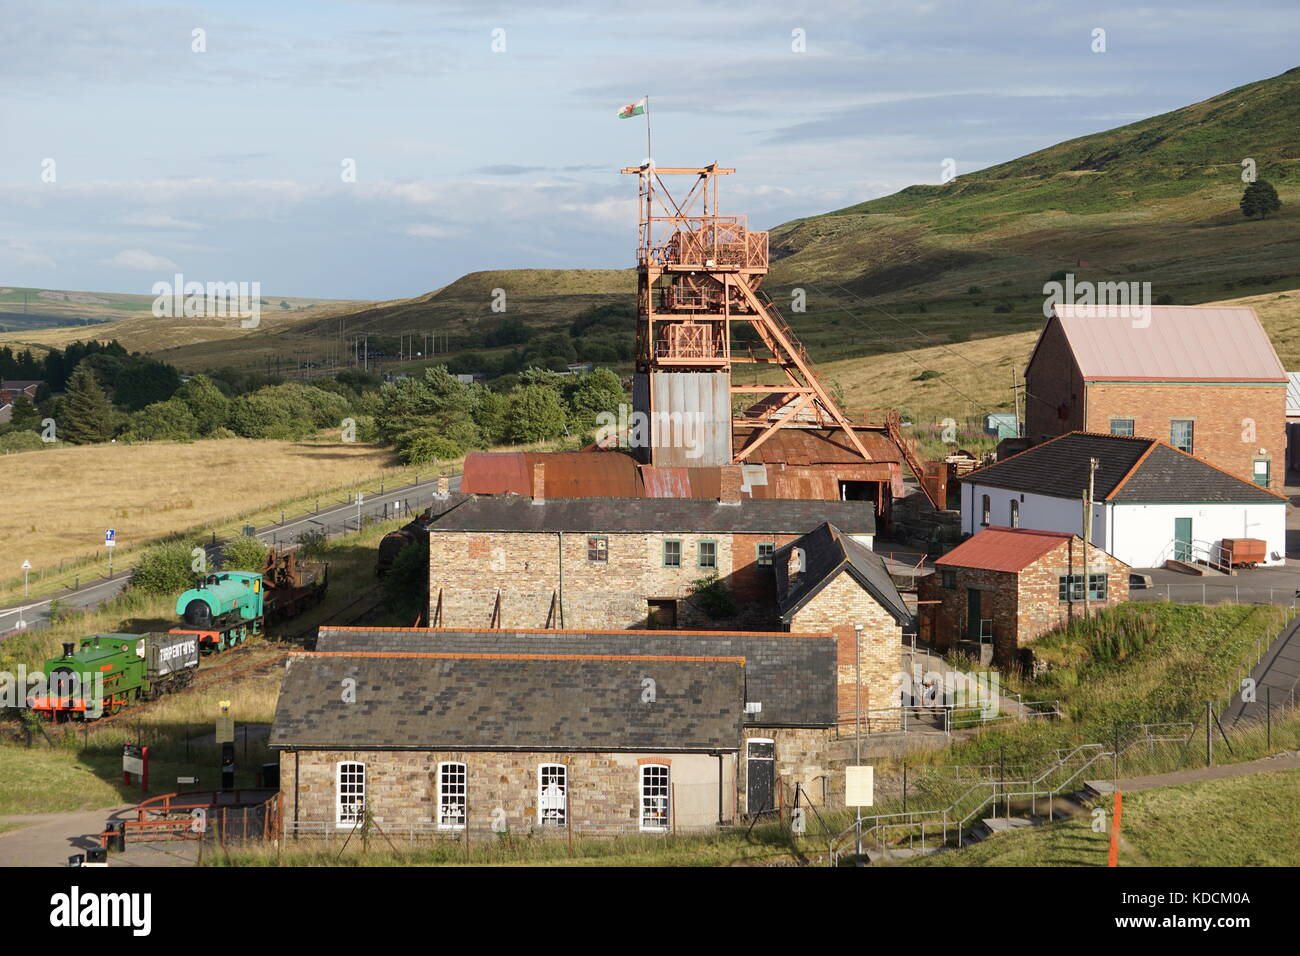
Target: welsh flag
x,y
632,109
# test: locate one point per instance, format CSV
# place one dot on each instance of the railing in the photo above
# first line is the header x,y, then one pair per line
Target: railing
x,y
704,242
1197,551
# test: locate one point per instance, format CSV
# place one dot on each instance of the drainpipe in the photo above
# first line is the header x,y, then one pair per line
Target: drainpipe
x,y
559,540
297,777
719,756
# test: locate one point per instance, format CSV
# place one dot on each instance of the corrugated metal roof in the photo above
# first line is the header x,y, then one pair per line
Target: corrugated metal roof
x,y
1293,394
816,446
1003,549
574,474
1199,343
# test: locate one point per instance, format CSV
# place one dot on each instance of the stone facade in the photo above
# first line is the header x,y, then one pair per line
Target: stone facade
x,y
1234,425
803,757
1021,605
836,609
524,579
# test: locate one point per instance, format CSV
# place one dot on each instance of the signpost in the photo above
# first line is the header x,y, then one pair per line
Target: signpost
x,y
135,760
225,736
859,792
27,566
110,542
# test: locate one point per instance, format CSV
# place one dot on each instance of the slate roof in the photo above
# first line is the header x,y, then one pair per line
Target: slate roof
x,y
827,552
792,676
415,702
1003,549
1188,343
1130,470
686,515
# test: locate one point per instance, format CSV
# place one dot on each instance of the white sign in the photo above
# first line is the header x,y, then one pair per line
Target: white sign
x,y
27,565
133,765
859,786
110,538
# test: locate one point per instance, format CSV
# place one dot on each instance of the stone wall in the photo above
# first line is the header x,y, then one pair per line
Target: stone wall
x,y
802,757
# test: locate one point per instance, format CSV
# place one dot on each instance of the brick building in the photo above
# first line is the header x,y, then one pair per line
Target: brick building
x,y
510,561
1006,586
1151,502
1204,379
533,730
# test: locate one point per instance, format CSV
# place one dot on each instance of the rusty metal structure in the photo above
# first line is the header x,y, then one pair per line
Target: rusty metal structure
x,y
699,273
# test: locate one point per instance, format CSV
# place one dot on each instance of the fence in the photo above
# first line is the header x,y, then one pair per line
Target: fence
x,y
1217,593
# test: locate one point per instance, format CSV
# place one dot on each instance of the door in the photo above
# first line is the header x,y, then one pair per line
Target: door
x,y
973,614
1262,472
760,775
662,614
1182,539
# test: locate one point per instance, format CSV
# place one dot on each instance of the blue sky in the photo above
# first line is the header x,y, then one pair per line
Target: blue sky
x,y
226,164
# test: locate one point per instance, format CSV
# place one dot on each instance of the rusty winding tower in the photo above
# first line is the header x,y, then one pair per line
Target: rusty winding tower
x,y
699,272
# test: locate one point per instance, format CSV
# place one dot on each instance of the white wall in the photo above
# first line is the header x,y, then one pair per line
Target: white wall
x,y
1139,535
1142,533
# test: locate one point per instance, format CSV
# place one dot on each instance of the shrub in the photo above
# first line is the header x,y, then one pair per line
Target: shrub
x,y
244,553
714,597
422,446
15,442
165,569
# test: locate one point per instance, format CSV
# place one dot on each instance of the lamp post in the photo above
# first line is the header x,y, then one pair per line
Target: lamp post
x,y
857,717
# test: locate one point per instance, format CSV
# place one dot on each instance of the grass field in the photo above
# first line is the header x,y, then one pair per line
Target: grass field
x,y
1238,821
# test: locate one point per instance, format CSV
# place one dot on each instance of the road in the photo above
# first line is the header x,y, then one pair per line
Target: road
x,y
334,520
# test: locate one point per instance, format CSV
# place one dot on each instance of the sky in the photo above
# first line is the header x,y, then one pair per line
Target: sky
x,y
378,149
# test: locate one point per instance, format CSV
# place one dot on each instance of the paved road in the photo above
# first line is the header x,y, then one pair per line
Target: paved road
x,y
1196,775
1276,676
333,520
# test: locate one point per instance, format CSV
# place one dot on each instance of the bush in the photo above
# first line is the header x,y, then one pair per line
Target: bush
x,y
714,597
15,442
171,420
243,553
421,447
535,414
311,544
165,569
406,585
928,374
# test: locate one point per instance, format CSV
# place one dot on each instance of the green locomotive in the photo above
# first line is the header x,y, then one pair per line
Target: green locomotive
x,y
110,671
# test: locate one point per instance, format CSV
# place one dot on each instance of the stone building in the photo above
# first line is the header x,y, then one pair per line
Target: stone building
x,y
1204,379
606,732
1006,586
513,561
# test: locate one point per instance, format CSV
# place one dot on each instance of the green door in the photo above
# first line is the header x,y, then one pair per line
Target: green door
x,y
973,614
1182,539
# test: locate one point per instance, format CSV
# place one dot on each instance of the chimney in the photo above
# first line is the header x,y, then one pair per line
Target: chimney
x,y
443,487
794,567
539,483
732,480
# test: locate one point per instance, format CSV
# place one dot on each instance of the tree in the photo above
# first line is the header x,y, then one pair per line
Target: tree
x,y
87,413
1259,199
535,414
243,553
437,404
25,417
165,569
600,391
164,421
210,408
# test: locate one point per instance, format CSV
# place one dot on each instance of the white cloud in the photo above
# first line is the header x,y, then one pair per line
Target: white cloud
x,y
141,260
156,220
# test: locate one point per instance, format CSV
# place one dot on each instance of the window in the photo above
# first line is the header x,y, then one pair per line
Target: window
x,y
708,554
1121,426
986,511
1180,434
672,553
654,796
451,796
598,549
1071,589
1015,513
763,554
948,579
350,794
553,795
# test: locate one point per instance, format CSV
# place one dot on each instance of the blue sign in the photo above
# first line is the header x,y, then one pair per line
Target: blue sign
x,y
110,536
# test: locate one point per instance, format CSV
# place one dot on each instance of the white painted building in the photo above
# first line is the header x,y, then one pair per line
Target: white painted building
x,y
1152,502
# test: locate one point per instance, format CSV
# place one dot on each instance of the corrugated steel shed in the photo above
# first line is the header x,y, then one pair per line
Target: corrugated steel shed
x,y
1181,343
1003,549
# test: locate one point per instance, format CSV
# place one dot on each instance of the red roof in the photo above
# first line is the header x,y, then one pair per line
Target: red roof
x,y
1003,549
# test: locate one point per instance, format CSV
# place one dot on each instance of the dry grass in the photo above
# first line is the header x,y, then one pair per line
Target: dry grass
x,y
59,501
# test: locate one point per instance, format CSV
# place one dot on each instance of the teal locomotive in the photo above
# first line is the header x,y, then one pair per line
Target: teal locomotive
x,y
224,609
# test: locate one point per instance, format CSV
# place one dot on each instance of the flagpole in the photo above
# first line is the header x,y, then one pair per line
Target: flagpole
x,y
648,154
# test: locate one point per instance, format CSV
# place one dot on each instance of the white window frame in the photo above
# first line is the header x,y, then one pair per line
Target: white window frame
x,y
345,817
444,792
542,770
649,800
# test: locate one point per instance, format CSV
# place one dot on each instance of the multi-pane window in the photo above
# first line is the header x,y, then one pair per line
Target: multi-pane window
x,y
1180,434
553,795
763,554
986,510
350,793
1015,513
598,549
654,796
1121,426
1071,588
672,553
452,793
948,579
708,554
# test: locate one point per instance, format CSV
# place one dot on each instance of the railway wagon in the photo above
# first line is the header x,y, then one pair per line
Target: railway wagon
x,y
110,671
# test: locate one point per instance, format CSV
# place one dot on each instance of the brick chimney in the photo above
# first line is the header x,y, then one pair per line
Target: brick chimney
x,y
443,487
794,567
732,480
539,483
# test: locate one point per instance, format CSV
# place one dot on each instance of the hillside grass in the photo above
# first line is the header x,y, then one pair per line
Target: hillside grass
x,y
1236,821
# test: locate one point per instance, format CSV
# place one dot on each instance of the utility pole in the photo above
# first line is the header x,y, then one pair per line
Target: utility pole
x,y
857,718
1087,529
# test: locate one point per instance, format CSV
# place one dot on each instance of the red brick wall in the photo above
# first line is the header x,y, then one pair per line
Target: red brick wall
x,y
1222,415
1052,380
